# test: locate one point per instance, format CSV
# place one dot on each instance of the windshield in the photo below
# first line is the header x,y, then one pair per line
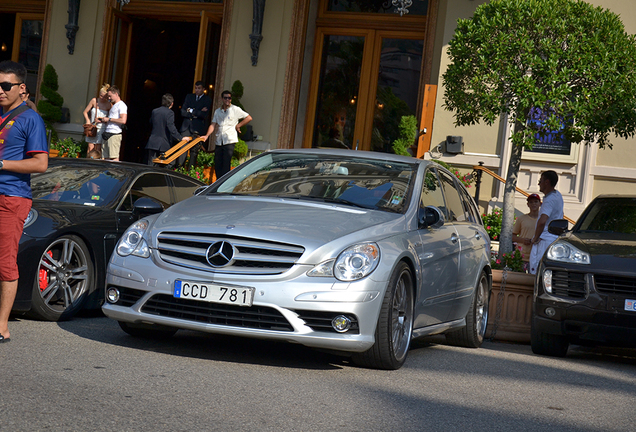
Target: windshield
x,y
347,180
87,186
612,215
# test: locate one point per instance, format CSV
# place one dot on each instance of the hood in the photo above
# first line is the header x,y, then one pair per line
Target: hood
x,y
298,222
609,252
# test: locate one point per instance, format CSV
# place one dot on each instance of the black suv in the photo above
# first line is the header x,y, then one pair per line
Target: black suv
x,y
585,290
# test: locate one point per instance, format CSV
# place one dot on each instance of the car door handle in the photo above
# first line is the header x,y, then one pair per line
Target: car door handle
x,y
454,238
477,235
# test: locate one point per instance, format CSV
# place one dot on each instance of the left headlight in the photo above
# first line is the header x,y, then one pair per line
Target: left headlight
x,y
353,263
132,242
565,252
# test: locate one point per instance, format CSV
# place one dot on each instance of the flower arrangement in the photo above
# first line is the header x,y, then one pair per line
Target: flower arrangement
x,y
196,172
70,147
513,260
465,179
492,223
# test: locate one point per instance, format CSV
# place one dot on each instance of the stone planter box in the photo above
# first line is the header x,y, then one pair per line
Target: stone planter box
x,y
516,311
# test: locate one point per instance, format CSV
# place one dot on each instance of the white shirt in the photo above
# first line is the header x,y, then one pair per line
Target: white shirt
x,y
227,121
115,112
552,206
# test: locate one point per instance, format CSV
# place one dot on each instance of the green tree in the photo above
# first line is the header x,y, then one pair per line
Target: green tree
x,y
237,93
572,61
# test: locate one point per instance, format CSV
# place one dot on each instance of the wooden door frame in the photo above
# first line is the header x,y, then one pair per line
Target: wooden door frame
x,y
375,66
107,61
203,13
312,100
293,74
17,31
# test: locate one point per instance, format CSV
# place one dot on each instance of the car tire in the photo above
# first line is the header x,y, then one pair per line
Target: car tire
x,y
147,331
472,335
64,279
395,324
548,344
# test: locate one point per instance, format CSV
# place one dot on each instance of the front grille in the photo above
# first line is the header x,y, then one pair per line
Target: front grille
x,y
252,257
256,317
128,296
568,284
609,284
321,321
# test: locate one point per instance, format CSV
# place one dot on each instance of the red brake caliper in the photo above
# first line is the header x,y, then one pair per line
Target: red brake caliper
x,y
44,275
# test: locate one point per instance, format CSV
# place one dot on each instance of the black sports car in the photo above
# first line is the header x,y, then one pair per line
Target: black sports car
x,y
585,290
80,209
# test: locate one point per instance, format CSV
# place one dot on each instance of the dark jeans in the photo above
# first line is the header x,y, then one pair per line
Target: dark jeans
x,y
194,153
151,155
223,159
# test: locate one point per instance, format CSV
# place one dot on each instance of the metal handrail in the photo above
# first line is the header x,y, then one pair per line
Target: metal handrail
x,y
501,179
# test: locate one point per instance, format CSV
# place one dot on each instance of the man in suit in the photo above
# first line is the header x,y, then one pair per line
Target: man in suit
x,y
195,111
163,129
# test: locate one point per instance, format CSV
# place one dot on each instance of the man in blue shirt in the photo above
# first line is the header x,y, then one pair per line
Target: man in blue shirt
x,y
23,150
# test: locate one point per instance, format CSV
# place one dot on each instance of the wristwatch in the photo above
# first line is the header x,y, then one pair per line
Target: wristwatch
x,y
1,165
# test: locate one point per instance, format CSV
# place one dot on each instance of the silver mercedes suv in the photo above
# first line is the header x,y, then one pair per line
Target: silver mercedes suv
x,y
344,250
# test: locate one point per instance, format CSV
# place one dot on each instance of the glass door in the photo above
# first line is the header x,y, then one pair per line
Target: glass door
x,y
397,73
365,81
367,73
208,50
121,52
338,81
27,45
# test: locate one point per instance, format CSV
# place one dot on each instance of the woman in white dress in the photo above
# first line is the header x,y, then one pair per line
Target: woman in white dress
x,y
97,107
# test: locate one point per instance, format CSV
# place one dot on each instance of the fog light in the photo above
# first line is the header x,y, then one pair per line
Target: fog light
x,y
112,295
341,323
550,312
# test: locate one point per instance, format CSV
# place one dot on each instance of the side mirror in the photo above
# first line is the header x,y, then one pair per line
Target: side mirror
x,y
558,227
146,207
200,189
430,217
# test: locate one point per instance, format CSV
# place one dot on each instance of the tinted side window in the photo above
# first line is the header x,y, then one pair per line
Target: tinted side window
x,y
453,201
151,185
183,188
469,206
432,194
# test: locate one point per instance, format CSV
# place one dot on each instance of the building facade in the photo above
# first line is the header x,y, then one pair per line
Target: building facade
x,y
332,73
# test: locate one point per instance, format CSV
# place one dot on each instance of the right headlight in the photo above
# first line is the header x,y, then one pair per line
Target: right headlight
x,y
132,242
564,252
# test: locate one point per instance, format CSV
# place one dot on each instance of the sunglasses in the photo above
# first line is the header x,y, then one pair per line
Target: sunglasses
x,y
224,97
6,86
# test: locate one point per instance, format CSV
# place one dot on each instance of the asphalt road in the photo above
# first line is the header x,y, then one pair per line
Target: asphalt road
x,y
88,375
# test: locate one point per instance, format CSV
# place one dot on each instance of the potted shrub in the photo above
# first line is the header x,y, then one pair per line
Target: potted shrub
x,y
50,108
206,161
510,308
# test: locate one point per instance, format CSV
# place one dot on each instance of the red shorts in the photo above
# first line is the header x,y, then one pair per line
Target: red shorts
x,y
13,212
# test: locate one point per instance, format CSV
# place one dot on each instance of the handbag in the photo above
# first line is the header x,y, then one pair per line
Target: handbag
x,y
106,135
90,130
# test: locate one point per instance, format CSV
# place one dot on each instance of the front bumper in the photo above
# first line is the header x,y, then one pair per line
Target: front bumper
x,y
583,325
582,313
288,307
